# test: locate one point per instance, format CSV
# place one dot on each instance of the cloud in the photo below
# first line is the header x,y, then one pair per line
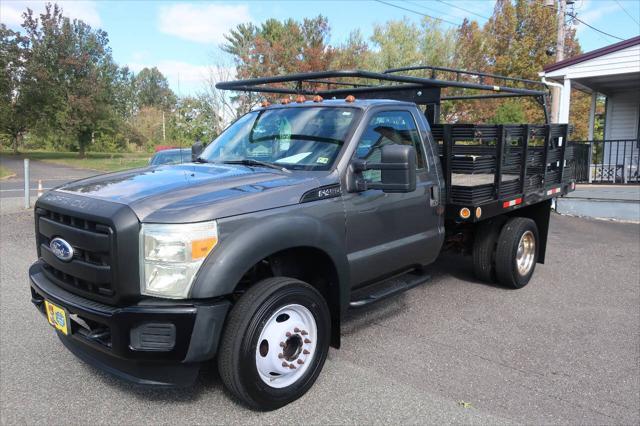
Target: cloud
x,y
202,23
11,11
592,11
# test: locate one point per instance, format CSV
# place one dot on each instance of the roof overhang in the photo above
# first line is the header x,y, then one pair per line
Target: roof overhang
x,y
609,69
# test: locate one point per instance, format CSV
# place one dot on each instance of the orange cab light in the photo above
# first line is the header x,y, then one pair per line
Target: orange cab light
x,y
265,103
285,101
350,98
317,98
301,99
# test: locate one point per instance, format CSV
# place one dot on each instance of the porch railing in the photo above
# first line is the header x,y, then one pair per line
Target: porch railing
x,y
607,161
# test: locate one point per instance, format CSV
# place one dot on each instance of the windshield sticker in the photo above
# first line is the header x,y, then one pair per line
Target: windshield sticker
x,y
322,160
347,113
294,159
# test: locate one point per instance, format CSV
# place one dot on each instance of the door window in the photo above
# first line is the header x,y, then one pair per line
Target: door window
x,y
386,128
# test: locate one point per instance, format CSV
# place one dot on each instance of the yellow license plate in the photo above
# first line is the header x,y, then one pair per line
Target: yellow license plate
x,y
57,317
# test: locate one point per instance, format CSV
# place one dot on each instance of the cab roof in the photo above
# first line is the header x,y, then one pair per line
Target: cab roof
x,y
357,103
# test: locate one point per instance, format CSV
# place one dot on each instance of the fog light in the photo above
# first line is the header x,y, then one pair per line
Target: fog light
x,y
153,337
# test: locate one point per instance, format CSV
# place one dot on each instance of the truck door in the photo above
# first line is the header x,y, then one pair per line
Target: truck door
x,y
390,232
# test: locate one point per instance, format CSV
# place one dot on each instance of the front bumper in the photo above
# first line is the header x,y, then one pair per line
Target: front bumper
x,y
153,342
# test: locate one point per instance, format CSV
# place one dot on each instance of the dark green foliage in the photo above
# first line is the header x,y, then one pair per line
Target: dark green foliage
x,y
152,89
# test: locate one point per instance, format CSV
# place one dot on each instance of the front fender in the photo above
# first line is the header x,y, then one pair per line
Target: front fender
x,y
246,241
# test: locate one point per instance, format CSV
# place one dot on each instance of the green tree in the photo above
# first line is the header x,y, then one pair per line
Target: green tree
x,y
14,117
152,89
194,118
508,112
70,73
397,44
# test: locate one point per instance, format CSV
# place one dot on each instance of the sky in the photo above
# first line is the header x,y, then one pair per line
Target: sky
x,y
182,38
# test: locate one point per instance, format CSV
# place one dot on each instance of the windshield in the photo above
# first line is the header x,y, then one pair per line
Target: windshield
x,y
294,138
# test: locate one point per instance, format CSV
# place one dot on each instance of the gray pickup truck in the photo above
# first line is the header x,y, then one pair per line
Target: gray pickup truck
x,y
298,211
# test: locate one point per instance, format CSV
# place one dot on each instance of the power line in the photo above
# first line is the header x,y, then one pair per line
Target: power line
x,y
422,6
628,14
594,28
417,13
462,8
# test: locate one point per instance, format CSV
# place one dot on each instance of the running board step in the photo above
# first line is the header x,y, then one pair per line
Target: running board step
x,y
384,289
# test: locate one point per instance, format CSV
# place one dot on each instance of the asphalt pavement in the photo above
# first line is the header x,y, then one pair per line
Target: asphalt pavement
x,y
49,174
565,349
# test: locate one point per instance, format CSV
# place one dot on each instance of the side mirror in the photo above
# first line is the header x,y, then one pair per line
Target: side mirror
x,y
398,171
196,150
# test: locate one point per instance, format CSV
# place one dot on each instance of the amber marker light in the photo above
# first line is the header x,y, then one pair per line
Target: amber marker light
x,y
465,213
350,98
201,248
317,98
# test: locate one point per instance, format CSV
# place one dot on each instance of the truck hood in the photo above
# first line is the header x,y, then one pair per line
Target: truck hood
x,y
195,192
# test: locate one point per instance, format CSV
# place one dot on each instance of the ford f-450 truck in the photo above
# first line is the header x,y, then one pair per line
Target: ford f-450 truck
x,y
335,197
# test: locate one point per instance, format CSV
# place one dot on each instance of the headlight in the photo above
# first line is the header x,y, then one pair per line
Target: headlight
x,y
171,256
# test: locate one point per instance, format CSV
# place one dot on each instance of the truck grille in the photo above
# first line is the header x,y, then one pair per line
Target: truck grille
x,y
90,270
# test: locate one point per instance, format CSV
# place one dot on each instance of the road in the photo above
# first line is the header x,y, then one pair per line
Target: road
x,y
564,349
51,175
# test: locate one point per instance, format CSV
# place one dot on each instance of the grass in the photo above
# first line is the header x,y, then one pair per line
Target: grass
x,y
4,172
102,161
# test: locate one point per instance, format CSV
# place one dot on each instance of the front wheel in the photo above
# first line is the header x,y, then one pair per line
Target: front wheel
x,y
275,342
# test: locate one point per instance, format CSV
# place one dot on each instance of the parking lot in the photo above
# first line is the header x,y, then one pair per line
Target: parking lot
x,y
565,349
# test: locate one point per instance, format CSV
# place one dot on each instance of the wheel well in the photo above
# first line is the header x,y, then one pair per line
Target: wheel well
x,y
307,264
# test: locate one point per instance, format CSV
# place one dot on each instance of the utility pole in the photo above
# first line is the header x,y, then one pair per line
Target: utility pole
x,y
555,91
164,134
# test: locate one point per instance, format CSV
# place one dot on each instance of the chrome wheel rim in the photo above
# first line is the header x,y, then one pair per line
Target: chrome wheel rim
x,y
525,256
286,346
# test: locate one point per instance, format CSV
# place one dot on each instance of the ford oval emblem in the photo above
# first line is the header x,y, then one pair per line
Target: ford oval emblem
x,y
61,249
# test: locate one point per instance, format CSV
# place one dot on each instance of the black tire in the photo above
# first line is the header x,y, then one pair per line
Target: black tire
x,y
506,252
484,247
237,354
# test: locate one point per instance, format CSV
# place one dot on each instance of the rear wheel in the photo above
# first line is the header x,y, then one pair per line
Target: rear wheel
x,y
484,247
275,342
517,252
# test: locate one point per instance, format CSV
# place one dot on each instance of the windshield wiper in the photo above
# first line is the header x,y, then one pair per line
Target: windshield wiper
x,y
252,162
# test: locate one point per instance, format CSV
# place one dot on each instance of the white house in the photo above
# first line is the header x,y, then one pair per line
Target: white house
x,y
613,71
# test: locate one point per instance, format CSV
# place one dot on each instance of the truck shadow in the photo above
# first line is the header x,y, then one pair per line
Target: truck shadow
x,y
459,267
449,269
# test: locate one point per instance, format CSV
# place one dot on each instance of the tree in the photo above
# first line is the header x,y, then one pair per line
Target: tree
x,y
69,74
14,119
397,44
152,89
227,105
280,47
194,119
354,54
148,125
